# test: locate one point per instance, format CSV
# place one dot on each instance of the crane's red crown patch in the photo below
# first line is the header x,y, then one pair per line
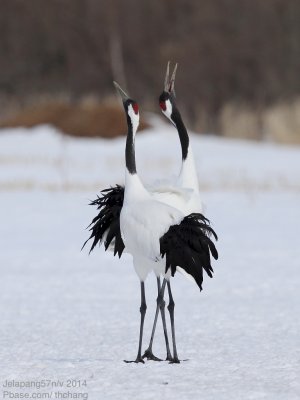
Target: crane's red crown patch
x,y
162,105
135,108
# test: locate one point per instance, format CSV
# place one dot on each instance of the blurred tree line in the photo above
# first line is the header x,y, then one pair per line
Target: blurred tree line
x,y
229,51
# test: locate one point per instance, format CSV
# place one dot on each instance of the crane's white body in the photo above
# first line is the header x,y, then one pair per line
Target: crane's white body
x,y
146,216
143,221
188,179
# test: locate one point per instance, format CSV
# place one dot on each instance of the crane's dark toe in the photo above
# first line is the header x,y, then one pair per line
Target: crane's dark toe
x,y
174,360
150,356
137,360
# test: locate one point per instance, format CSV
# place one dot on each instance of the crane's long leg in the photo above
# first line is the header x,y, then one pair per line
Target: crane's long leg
x,y
159,307
163,318
171,307
143,309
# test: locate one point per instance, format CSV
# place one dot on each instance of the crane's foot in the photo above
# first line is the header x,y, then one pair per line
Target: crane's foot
x,y
174,360
150,356
139,359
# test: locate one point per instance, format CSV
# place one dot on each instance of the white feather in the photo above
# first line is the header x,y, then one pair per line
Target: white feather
x,y
168,111
143,222
135,118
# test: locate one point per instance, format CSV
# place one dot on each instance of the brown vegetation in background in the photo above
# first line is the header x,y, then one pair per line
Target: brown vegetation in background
x,y
86,119
282,122
230,52
278,122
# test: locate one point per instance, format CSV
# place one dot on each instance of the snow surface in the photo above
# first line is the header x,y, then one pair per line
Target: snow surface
x,y
67,315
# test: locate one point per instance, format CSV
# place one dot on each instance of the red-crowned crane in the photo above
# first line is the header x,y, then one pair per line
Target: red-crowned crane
x,y
160,236
187,178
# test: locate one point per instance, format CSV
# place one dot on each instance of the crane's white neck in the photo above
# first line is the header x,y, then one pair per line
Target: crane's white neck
x,y
134,119
134,188
188,174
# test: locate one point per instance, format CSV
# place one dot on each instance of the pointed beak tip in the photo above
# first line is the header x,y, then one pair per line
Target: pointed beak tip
x,y
120,91
169,82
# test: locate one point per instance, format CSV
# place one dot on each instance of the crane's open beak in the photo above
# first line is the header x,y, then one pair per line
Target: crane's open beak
x,y
170,83
121,92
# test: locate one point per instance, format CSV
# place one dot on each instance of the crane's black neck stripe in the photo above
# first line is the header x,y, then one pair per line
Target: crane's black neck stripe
x,y
130,149
183,134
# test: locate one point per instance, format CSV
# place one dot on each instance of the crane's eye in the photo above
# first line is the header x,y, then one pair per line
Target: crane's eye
x,y
135,108
162,105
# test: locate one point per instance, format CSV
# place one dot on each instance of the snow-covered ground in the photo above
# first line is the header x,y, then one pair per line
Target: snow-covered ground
x,y
66,315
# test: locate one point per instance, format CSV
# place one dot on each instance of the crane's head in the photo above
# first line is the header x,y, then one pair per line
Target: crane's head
x,y
167,98
130,106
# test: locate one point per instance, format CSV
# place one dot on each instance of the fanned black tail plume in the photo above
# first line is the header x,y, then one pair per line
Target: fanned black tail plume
x,y
106,225
188,245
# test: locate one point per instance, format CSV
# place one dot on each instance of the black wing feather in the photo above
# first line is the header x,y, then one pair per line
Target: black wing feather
x,y
107,221
188,245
